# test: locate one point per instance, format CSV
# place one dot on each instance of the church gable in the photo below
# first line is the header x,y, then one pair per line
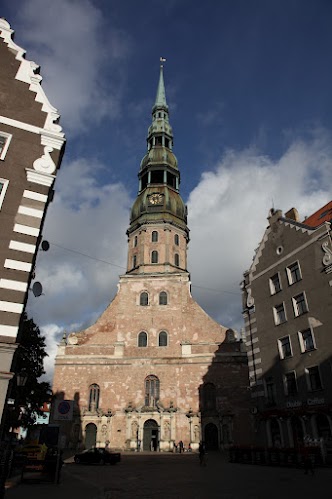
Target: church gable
x,y
282,237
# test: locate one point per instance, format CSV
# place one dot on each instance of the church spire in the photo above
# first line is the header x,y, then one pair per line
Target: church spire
x,y
160,102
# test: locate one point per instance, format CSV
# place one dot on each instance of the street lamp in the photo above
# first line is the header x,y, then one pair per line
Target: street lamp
x,y
21,378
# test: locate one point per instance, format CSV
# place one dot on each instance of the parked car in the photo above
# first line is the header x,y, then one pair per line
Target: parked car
x,y
97,455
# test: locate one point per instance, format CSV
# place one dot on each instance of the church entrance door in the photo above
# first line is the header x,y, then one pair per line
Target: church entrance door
x,y
90,435
211,437
150,435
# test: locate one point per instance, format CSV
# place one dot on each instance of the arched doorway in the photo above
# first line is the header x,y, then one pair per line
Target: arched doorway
x,y
275,433
323,426
90,435
297,430
211,437
150,435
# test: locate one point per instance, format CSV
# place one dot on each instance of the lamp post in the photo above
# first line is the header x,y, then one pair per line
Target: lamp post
x,y
190,415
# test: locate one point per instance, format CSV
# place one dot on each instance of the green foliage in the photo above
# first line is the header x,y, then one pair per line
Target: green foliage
x,y
29,357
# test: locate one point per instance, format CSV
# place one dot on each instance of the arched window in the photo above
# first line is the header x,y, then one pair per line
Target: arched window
x,y
151,390
209,396
163,339
163,298
134,261
94,392
142,339
154,257
135,241
176,260
144,299
154,237
176,239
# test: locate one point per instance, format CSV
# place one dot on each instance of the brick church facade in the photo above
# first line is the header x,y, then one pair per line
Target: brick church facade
x,y
155,368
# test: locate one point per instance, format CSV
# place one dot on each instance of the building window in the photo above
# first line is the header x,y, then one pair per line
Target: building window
x,y
294,273
3,187
94,392
284,346
144,299
307,341
134,261
275,285
152,387
209,396
163,339
270,391
176,260
313,378
163,298
135,241
290,383
5,139
154,236
176,239
300,304
142,339
154,257
279,313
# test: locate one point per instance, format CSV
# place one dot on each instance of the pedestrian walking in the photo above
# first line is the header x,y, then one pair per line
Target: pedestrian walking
x,y
202,454
181,446
307,462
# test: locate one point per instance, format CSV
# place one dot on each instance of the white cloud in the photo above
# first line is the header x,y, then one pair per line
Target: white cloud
x,y
228,211
85,219
51,333
80,59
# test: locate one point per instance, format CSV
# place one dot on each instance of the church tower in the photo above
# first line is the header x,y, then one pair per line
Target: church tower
x,y
155,368
158,232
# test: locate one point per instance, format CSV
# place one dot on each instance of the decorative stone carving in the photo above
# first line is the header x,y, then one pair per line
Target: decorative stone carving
x,y
134,429
250,300
45,163
72,339
167,430
327,258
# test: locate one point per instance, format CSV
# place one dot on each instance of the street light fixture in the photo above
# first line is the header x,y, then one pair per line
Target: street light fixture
x,y
21,378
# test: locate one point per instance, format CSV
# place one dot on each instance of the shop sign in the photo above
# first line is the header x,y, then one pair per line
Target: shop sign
x,y
316,401
292,404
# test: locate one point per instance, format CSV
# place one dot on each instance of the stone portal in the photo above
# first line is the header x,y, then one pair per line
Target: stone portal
x,y
151,435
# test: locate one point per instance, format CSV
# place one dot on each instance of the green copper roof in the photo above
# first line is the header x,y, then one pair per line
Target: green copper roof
x,y
161,94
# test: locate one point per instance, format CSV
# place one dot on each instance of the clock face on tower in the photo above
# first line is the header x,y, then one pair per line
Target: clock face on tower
x,y
156,199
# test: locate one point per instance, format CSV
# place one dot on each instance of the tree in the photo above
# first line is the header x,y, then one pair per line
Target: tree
x,y
29,357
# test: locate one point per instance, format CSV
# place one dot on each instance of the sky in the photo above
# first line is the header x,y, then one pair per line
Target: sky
x,y
248,84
